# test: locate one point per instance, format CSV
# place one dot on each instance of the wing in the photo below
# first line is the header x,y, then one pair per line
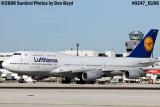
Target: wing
x,y
69,71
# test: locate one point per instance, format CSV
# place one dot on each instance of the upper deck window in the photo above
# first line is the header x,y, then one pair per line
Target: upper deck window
x,y
17,54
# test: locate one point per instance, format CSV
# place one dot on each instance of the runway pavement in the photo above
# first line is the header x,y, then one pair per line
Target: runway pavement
x,y
52,85
78,98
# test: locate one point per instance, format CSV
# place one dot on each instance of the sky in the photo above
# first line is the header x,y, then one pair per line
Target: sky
x,y
98,25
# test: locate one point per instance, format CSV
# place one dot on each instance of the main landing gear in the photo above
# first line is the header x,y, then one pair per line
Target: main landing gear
x,y
66,80
80,81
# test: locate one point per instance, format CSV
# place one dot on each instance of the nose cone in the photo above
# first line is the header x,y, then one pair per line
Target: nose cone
x,y
5,64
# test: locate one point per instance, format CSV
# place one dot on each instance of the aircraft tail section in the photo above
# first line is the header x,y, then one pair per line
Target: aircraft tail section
x,y
145,48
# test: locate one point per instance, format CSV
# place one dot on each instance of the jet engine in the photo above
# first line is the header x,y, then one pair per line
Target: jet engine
x,y
133,74
92,75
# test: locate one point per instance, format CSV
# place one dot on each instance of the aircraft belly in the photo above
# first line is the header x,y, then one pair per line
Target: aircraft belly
x,y
66,74
113,73
32,73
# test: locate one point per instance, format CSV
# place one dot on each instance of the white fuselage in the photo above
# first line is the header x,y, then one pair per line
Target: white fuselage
x,y
50,64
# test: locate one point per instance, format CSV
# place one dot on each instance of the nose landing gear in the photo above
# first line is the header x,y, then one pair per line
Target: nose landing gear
x,y
21,80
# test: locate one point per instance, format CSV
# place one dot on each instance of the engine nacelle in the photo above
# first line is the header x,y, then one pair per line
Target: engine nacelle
x,y
92,75
133,74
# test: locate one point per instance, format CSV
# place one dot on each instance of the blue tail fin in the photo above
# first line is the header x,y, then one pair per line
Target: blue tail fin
x,y
145,47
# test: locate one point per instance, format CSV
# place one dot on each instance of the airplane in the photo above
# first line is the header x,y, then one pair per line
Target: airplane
x,y
86,69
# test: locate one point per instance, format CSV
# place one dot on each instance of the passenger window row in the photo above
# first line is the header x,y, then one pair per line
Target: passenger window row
x,y
21,63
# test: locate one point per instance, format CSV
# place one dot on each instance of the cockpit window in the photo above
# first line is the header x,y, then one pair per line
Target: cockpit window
x,y
17,54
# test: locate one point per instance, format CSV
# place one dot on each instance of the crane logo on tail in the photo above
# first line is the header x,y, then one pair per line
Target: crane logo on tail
x,y
148,44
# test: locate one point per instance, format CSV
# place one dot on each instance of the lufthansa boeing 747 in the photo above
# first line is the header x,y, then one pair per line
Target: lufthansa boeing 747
x,y
87,69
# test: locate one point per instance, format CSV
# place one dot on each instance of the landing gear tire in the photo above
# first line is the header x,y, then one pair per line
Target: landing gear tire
x,y
66,80
81,81
91,82
21,80
85,82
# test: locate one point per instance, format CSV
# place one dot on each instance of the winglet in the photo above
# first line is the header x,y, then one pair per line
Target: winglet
x,y
145,48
